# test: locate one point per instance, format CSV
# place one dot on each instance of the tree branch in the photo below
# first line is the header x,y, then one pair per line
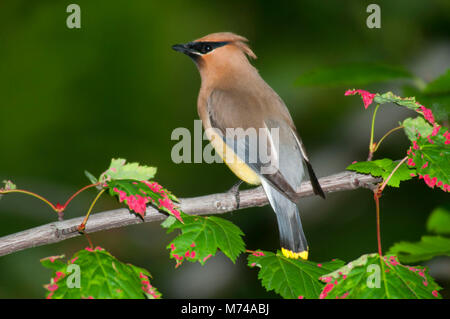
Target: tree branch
x,y
202,205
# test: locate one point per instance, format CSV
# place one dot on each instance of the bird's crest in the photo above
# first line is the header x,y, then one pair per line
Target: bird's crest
x,y
237,40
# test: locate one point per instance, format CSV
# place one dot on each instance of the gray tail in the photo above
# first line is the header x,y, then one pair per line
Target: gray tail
x,y
292,237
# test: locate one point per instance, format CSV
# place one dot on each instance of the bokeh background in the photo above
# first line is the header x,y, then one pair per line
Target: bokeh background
x,y
72,99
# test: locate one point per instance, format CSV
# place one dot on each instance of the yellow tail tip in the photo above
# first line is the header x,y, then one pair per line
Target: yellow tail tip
x,y
290,254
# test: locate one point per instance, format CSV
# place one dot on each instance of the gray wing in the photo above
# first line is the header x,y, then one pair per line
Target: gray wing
x,y
267,144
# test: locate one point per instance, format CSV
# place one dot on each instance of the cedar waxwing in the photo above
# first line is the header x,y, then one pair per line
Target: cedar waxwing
x,y
234,96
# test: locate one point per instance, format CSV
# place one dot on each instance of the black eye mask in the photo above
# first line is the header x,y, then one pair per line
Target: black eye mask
x,y
205,47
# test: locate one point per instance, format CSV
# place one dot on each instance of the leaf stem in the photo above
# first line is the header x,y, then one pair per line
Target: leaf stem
x,y
386,135
392,173
376,196
57,208
82,226
89,240
22,191
78,192
371,145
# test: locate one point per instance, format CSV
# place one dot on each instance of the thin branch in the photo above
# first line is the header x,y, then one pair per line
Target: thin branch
x,y
372,129
391,174
203,205
386,135
376,197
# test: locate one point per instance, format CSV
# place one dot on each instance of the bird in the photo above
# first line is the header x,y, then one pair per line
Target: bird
x,y
233,97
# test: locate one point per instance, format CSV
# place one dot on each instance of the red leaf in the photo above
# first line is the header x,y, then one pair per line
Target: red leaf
x,y
366,96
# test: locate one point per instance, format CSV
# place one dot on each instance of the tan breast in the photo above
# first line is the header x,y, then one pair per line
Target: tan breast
x,y
237,166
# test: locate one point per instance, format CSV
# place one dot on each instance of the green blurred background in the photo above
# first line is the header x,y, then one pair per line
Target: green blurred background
x,y
72,99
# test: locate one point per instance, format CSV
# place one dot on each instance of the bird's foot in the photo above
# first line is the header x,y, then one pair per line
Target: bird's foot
x,y
235,191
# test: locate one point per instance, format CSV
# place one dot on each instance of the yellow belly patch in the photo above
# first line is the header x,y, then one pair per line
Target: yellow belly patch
x,y
237,166
290,254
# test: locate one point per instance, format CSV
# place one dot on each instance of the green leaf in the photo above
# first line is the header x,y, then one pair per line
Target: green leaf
x,y
389,97
53,262
120,170
95,273
428,247
91,177
416,126
137,194
370,277
201,237
439,85
291,278
430,156
352,75
383,168
439,221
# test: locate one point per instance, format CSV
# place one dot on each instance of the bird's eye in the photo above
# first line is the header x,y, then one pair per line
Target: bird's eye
x,y
206,48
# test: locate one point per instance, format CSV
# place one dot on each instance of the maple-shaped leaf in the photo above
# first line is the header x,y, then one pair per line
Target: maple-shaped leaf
x,y
383,168
439,221
389,97
95,273
428,247
137,194
430,154
415,127
119,169
367,97
53,262
408,102
291,278
201,237
370,277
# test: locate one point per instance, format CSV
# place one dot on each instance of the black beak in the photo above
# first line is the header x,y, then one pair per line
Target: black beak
x,y
181,48
184,48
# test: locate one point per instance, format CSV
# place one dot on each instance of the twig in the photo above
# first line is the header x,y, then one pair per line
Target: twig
x,y
376,197
377,192
82,226
386,135
391,174
372,129
203,205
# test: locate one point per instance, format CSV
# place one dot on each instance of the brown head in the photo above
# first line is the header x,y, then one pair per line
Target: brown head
x,y
218,54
